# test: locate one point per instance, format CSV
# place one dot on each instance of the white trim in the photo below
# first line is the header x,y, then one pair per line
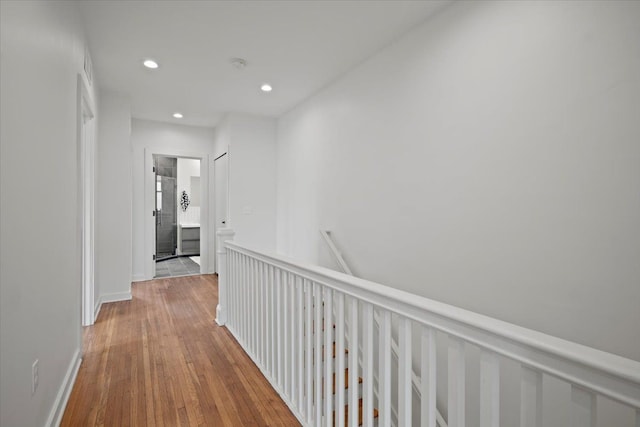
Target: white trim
x,y
115,297
96,309
138,278
206,246
605,373
86,146
326,235
62,398
213,265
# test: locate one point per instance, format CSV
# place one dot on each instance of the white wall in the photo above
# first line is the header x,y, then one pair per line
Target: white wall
x,y
113,198
41,54
251,144
489,160
165,138
188,168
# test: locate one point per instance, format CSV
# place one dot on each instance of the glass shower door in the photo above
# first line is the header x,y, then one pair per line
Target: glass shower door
x,y
166,217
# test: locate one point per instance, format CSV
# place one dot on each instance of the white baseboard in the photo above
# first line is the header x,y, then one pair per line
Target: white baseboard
x,y
96,310
117,296
138,278
59,405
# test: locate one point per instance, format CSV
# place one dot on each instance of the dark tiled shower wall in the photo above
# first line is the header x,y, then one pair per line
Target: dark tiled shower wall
x,y
166,221
167,166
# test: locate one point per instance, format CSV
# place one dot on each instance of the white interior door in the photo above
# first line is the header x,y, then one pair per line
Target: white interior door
x,y
221,183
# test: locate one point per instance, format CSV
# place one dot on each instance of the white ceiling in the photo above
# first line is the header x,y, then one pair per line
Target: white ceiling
x,y
297,46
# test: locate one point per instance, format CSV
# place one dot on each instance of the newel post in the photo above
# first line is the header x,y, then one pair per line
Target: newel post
x,y
223,234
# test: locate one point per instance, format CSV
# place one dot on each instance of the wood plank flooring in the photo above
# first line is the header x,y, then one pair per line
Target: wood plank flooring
x,y
160,360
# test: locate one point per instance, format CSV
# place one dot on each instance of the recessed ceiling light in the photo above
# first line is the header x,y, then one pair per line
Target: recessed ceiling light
x,y
150,63
266,87
177,115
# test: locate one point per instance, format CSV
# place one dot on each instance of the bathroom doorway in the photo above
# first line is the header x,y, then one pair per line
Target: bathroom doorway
x,y
177,216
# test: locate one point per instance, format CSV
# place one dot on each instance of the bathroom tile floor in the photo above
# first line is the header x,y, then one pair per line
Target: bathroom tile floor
x,y
181,266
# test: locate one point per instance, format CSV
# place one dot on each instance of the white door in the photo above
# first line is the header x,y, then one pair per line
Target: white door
x,y
221,183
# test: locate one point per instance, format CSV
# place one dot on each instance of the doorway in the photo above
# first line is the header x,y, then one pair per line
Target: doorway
x,y
177,216
150,188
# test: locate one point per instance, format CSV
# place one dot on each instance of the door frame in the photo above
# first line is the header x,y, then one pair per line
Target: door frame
x,y
149,207
86,202
215,195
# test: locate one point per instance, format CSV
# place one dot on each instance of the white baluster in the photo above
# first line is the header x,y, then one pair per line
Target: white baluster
x,y
244,301
428,378
257,313
245,311
404,372
247,307
286,325
237,292
353,363
328,359
279,309
583,407
317,331
236,269
252,312
273,340
308,337
243,271
530,398
367,364
300,343
260,311
254,299
270,337
262,307
292,336
265,316
384,379
489,389
339,374
456,396
234,290
230,298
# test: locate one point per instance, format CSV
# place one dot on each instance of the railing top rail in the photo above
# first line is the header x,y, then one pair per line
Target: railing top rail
x,y
422,310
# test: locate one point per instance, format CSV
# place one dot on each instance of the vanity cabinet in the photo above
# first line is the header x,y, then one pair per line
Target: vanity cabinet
x,y
189,239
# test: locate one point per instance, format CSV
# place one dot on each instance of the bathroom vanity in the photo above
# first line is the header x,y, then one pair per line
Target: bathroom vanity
x,y
189,239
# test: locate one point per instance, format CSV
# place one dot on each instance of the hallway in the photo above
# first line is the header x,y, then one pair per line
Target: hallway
x,y
160,359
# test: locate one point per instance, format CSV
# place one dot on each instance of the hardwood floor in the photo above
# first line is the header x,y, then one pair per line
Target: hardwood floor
x,y
160,360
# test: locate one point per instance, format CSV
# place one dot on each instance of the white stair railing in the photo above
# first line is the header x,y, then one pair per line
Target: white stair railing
x,y
280,311
415,379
